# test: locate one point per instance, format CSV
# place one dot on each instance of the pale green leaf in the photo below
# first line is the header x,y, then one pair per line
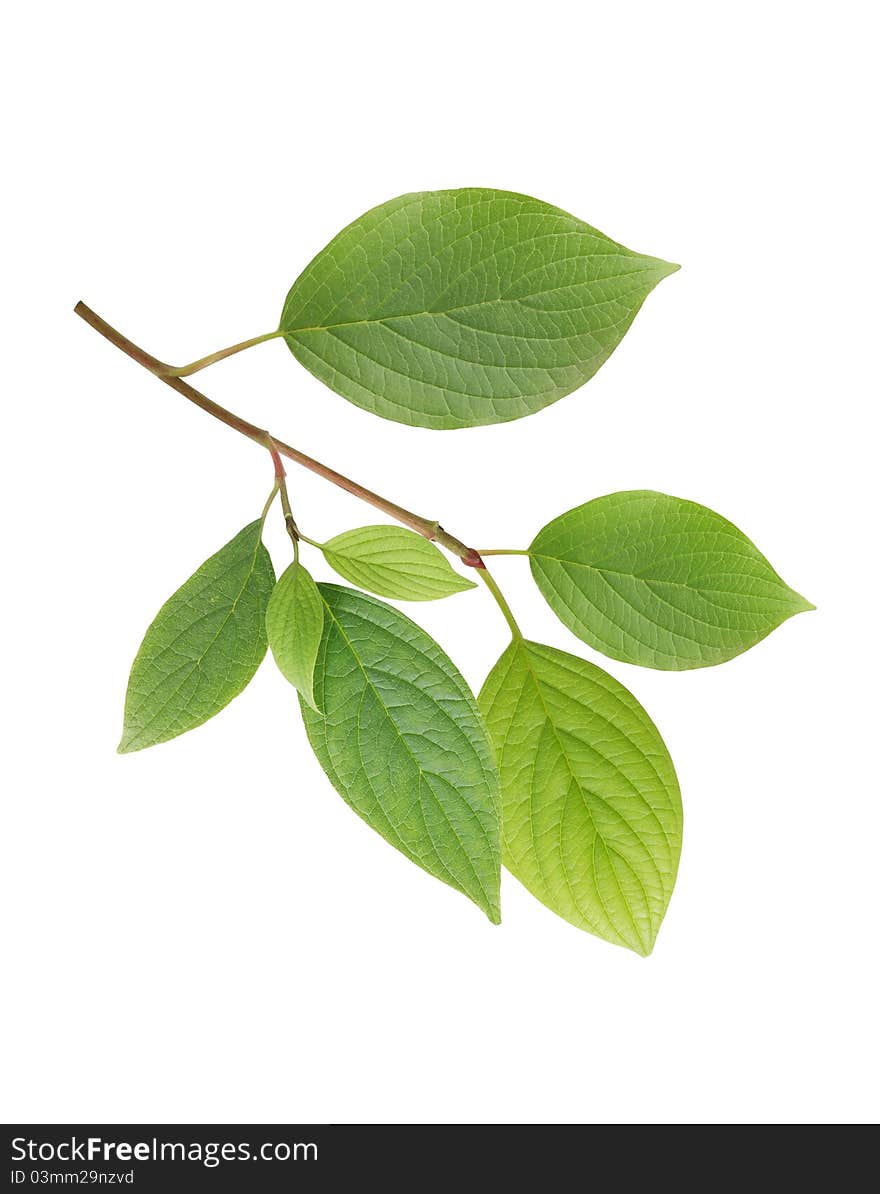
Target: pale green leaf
x,y
203,646
402,742
394,562
457,308
659,581
294,621
591,806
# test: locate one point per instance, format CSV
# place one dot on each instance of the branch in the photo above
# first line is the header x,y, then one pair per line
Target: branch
x,y
426,527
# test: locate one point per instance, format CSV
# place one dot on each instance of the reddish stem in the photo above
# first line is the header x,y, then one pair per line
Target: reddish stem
x,y
426,527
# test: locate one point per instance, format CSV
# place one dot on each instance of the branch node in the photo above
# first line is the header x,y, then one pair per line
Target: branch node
x,y
473,559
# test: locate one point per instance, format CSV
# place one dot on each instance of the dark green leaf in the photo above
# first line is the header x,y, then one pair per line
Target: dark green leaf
x,y
203,646
403,743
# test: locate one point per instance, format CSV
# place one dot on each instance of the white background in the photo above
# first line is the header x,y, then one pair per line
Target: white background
x,y
204,931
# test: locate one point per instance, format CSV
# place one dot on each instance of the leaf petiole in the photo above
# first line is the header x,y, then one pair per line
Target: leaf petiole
x,y
289,521
492,586
221,355
281,486
275,488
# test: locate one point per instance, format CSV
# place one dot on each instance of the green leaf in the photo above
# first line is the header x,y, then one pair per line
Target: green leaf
x,y
394,562
591,806
659,581
203,646
402,742
294,622
458,308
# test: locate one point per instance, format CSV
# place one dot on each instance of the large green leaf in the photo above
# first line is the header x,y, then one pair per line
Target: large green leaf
x,y
203,646
457,308
394,562
402,742
659,581
294,621
591,807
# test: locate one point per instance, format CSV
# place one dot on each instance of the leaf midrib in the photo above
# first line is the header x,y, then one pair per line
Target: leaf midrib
x,y
656,580
436,575
345,323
